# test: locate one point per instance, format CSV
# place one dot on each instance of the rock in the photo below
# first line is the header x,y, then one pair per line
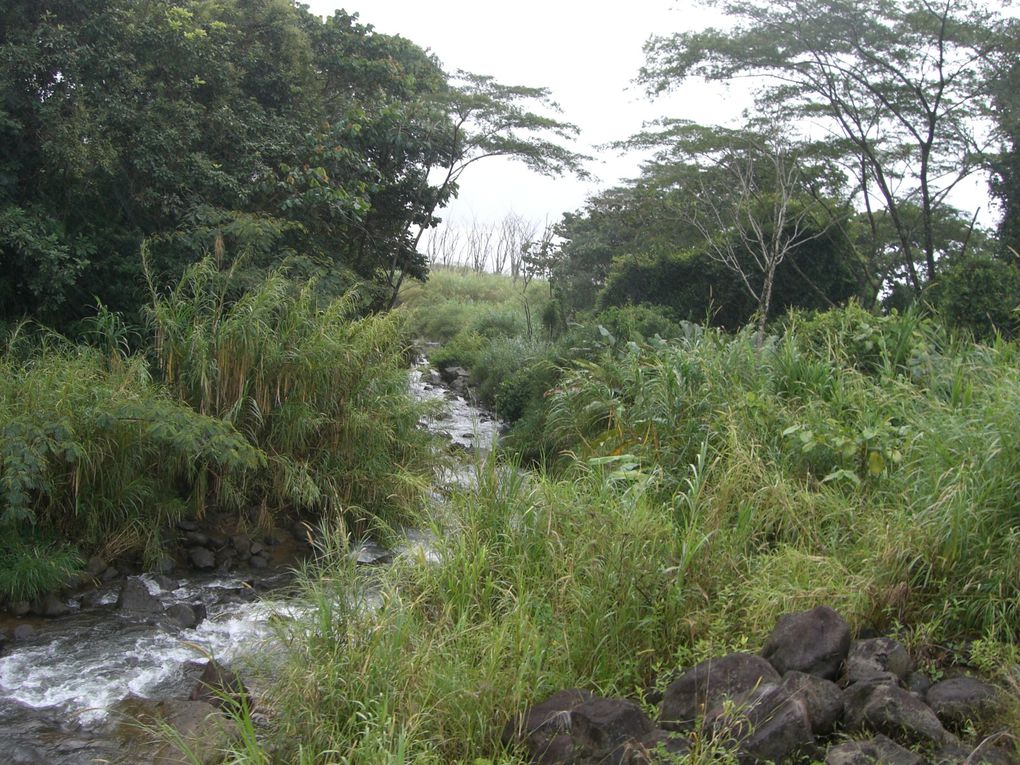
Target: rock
x,y
183,615
875,657
135,596
196,539
960,699
50,605
241,544
187,524
165,583
259,561
815,642
256,548
766,724
166,565
18,754
662,747
95,566
21,608
23,632
538,727
600,727
705,686
276,536
218,686
985,754
822,699
878,751
202,729
109,575
201,558
893,711
917,682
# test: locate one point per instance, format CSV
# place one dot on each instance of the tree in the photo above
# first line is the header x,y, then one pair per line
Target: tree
x,y
894,90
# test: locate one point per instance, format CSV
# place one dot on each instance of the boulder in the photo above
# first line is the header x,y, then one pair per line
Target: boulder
x,y
183,615
95,566
219,686
50,605
258,561
661,748
196,539
704,687
608,727
20,608
23,632
135,596
202,558
165,583
823,700
199,726
917,682
960,699
241,544
764,724
536,728
893,711
877,658
815,642
878,751
985,754
165,565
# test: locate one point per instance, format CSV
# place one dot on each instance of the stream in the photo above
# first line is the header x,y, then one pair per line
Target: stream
x,y
60,685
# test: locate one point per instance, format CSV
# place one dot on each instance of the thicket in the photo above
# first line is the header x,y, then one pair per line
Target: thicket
x,y
703,485
261,402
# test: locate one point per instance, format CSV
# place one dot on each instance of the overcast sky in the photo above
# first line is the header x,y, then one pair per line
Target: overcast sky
x,y
586,53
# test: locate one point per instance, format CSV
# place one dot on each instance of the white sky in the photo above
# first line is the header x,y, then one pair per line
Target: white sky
x,y
586,53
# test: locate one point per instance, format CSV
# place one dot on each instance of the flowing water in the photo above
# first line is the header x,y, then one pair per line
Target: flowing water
x,y
59,688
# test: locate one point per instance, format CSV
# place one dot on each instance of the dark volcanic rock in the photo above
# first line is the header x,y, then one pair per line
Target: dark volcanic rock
x,y
878,751
218,686
960,699
601,726
877,658
201,728
23,632
539,725
134,596
183,615
985,754
705,686
766,724
815,642
822,699
893,711
50,605
917,682
202,558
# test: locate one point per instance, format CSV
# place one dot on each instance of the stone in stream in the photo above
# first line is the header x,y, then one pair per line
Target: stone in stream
x,y
219,686
201,728
95,566
704,687
184,615
50,605
815,642
23,632
241,544
135,597
258,561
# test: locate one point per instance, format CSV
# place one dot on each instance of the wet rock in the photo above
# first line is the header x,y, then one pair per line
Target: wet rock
x,y
187,524
960,699
276,536
822,699
202,558
259,561
878,751
543,730
165,583
241,544
893,711
23,632
599,727
22,755
21,608
815,642
256,548
218,686
766,724
50,605
200,726
877,658
705,686
183,615
135,596
166,565
95,566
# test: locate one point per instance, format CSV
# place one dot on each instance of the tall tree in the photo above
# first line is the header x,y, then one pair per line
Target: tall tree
x,y
893,88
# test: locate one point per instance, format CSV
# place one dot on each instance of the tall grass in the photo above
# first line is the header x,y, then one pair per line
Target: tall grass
x,y
321,392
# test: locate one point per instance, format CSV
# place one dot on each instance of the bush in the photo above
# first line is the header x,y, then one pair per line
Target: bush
x,y
981,295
